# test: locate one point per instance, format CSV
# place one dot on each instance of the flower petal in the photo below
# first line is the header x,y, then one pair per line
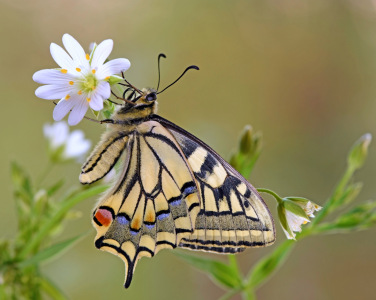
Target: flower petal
x,y
52,76
76,51
62,58
96,102
104,90
52,92
101,53
112,67
76,145
78,112
62,108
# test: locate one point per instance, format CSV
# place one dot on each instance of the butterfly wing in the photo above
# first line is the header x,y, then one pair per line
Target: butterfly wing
x,y
104,156
232,214
155,202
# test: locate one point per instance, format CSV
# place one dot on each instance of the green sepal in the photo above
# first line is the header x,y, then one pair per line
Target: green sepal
x,y
222,273
95,113
283,220
114,79
295,208
108,109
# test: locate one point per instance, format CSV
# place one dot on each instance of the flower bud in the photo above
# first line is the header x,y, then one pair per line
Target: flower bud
x,y
246,139
359,151
294,212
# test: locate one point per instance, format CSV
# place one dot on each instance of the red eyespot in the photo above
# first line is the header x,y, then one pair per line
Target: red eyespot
x,y
103,216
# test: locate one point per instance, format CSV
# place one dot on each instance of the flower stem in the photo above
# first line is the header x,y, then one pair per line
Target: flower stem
x,y
270,192
328,207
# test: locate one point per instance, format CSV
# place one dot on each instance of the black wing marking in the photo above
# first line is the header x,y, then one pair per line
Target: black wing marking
x,y
104,156
232,214
153,205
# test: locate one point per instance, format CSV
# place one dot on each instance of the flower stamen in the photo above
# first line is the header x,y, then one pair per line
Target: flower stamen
x,y
78,69
88,99
79,92
67,97
64,71
87,56
93,71
71,82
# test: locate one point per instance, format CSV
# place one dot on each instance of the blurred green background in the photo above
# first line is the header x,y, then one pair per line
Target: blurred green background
x,y
302,72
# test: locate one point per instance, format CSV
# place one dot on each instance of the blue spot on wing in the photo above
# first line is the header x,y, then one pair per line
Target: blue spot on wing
x,y
176,202
163,216
122,220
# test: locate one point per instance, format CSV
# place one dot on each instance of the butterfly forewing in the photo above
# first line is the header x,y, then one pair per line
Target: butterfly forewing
x,y
155,202
232,214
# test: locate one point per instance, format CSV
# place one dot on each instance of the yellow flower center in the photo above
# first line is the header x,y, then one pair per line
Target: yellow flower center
x,y
89,83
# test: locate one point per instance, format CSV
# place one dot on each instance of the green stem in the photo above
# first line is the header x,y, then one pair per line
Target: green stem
x,y
270,192
67,204
336,195
249,294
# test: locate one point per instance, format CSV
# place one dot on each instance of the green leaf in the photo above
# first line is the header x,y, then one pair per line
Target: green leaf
x,y
54,188
51,251
268,265
222,273
56,218
22,184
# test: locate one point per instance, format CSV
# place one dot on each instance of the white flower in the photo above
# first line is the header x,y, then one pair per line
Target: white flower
x,y
65,145
294,212
82,79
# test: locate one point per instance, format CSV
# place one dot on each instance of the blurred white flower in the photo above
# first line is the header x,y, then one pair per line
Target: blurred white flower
x,y
82,79
65,145
294,212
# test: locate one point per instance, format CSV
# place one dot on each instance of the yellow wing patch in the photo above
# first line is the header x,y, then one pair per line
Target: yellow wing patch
x,y
104,157
153,205
232,214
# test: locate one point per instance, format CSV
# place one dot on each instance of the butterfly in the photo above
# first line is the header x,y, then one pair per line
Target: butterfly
x,y
173,190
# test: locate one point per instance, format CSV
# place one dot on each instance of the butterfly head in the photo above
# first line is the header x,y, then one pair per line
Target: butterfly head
x,y
145,99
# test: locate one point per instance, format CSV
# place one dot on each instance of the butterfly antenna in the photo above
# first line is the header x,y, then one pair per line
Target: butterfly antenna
x,y
159,68
185,71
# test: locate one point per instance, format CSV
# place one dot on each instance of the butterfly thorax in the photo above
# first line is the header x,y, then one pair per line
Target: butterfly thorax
x,y
132,115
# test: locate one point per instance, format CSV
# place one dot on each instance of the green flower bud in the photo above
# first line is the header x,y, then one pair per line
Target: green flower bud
x,y
359,151
246,139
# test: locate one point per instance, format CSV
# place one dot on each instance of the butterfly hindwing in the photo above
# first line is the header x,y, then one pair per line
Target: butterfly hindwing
x,y
155,202
232,214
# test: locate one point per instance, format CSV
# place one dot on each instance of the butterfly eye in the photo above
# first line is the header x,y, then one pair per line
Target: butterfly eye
x,y
151,96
